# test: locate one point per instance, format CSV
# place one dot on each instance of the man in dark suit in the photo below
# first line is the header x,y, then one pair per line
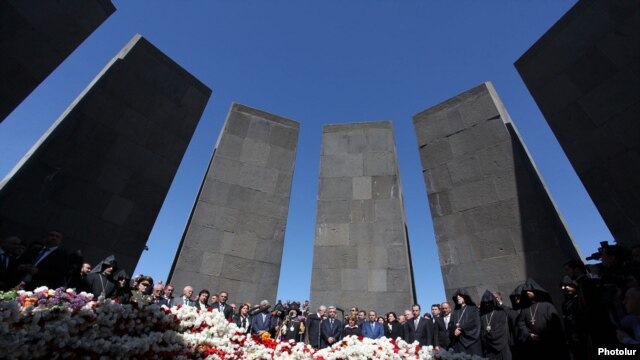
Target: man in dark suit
x,y
262,321
46,267
312,326
8,249
331,329
157,296
419,329
222,305
441,326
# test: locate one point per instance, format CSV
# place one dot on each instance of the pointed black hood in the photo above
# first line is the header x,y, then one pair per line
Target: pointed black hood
x,y
105,263
516,293
489,302
465,295
540,293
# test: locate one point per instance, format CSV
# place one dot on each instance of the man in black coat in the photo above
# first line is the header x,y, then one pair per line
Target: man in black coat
x,y
539,325
100,281
419,329
312,327
331,328
222,305
8,253
494,328
440,326
464,333
46,267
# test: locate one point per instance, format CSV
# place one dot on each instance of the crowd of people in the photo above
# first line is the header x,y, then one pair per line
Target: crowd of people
x,y
601,307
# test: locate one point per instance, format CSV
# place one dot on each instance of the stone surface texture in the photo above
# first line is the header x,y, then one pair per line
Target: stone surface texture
x,y
361,251
584,74
101,173
495,223
234,238
36,36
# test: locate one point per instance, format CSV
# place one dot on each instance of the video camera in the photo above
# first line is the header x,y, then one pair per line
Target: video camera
x,y
597,255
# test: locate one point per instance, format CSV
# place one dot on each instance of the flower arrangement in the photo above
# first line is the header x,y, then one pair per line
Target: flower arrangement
x,y
73,325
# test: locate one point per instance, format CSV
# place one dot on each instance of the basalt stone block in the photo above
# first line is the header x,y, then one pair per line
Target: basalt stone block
x,y
361,250
488,203
36,36
584,74
87,169
240,215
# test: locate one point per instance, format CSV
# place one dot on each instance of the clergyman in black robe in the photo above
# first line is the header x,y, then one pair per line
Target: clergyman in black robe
x,y
494,329
464,325
539,325
100,281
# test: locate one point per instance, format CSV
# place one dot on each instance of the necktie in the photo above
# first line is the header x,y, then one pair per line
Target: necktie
x,y
244,323
264,317
415,322
446,322
331,323
222,308
44,252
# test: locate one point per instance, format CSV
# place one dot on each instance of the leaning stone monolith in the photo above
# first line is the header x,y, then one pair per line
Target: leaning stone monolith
x,y
235,235
584,74
101,172
494,220
36,36
361,250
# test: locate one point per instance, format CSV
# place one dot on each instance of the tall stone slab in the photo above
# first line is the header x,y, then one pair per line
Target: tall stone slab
x,y
584,74
361,251
494,220
36,36
235,235
101,172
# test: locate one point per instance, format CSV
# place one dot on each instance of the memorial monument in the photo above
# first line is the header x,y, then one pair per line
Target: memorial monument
x,y
36,36
101,172
361,251
494,220
235,235
584,74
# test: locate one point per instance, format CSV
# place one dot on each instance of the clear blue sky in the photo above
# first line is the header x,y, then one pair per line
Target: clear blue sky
x,y
323,62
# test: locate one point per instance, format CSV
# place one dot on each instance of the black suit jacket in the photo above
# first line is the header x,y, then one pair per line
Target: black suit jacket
x,y
424,333
7,273
51,270
441,332
312,327
228,311
328,330
237,319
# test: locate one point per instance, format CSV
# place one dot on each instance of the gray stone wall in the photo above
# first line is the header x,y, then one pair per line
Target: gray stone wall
x,y
584,74
495,223
235,235
361,251
101,172
36,36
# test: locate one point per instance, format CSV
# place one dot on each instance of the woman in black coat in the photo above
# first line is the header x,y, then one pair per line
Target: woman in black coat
x,y
352,327
393,329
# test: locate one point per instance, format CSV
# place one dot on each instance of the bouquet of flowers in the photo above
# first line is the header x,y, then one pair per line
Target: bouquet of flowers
x,y
73,325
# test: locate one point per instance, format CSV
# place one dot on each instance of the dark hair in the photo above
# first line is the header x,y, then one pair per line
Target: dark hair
x,y
392,313
414,305
204,291
436,305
